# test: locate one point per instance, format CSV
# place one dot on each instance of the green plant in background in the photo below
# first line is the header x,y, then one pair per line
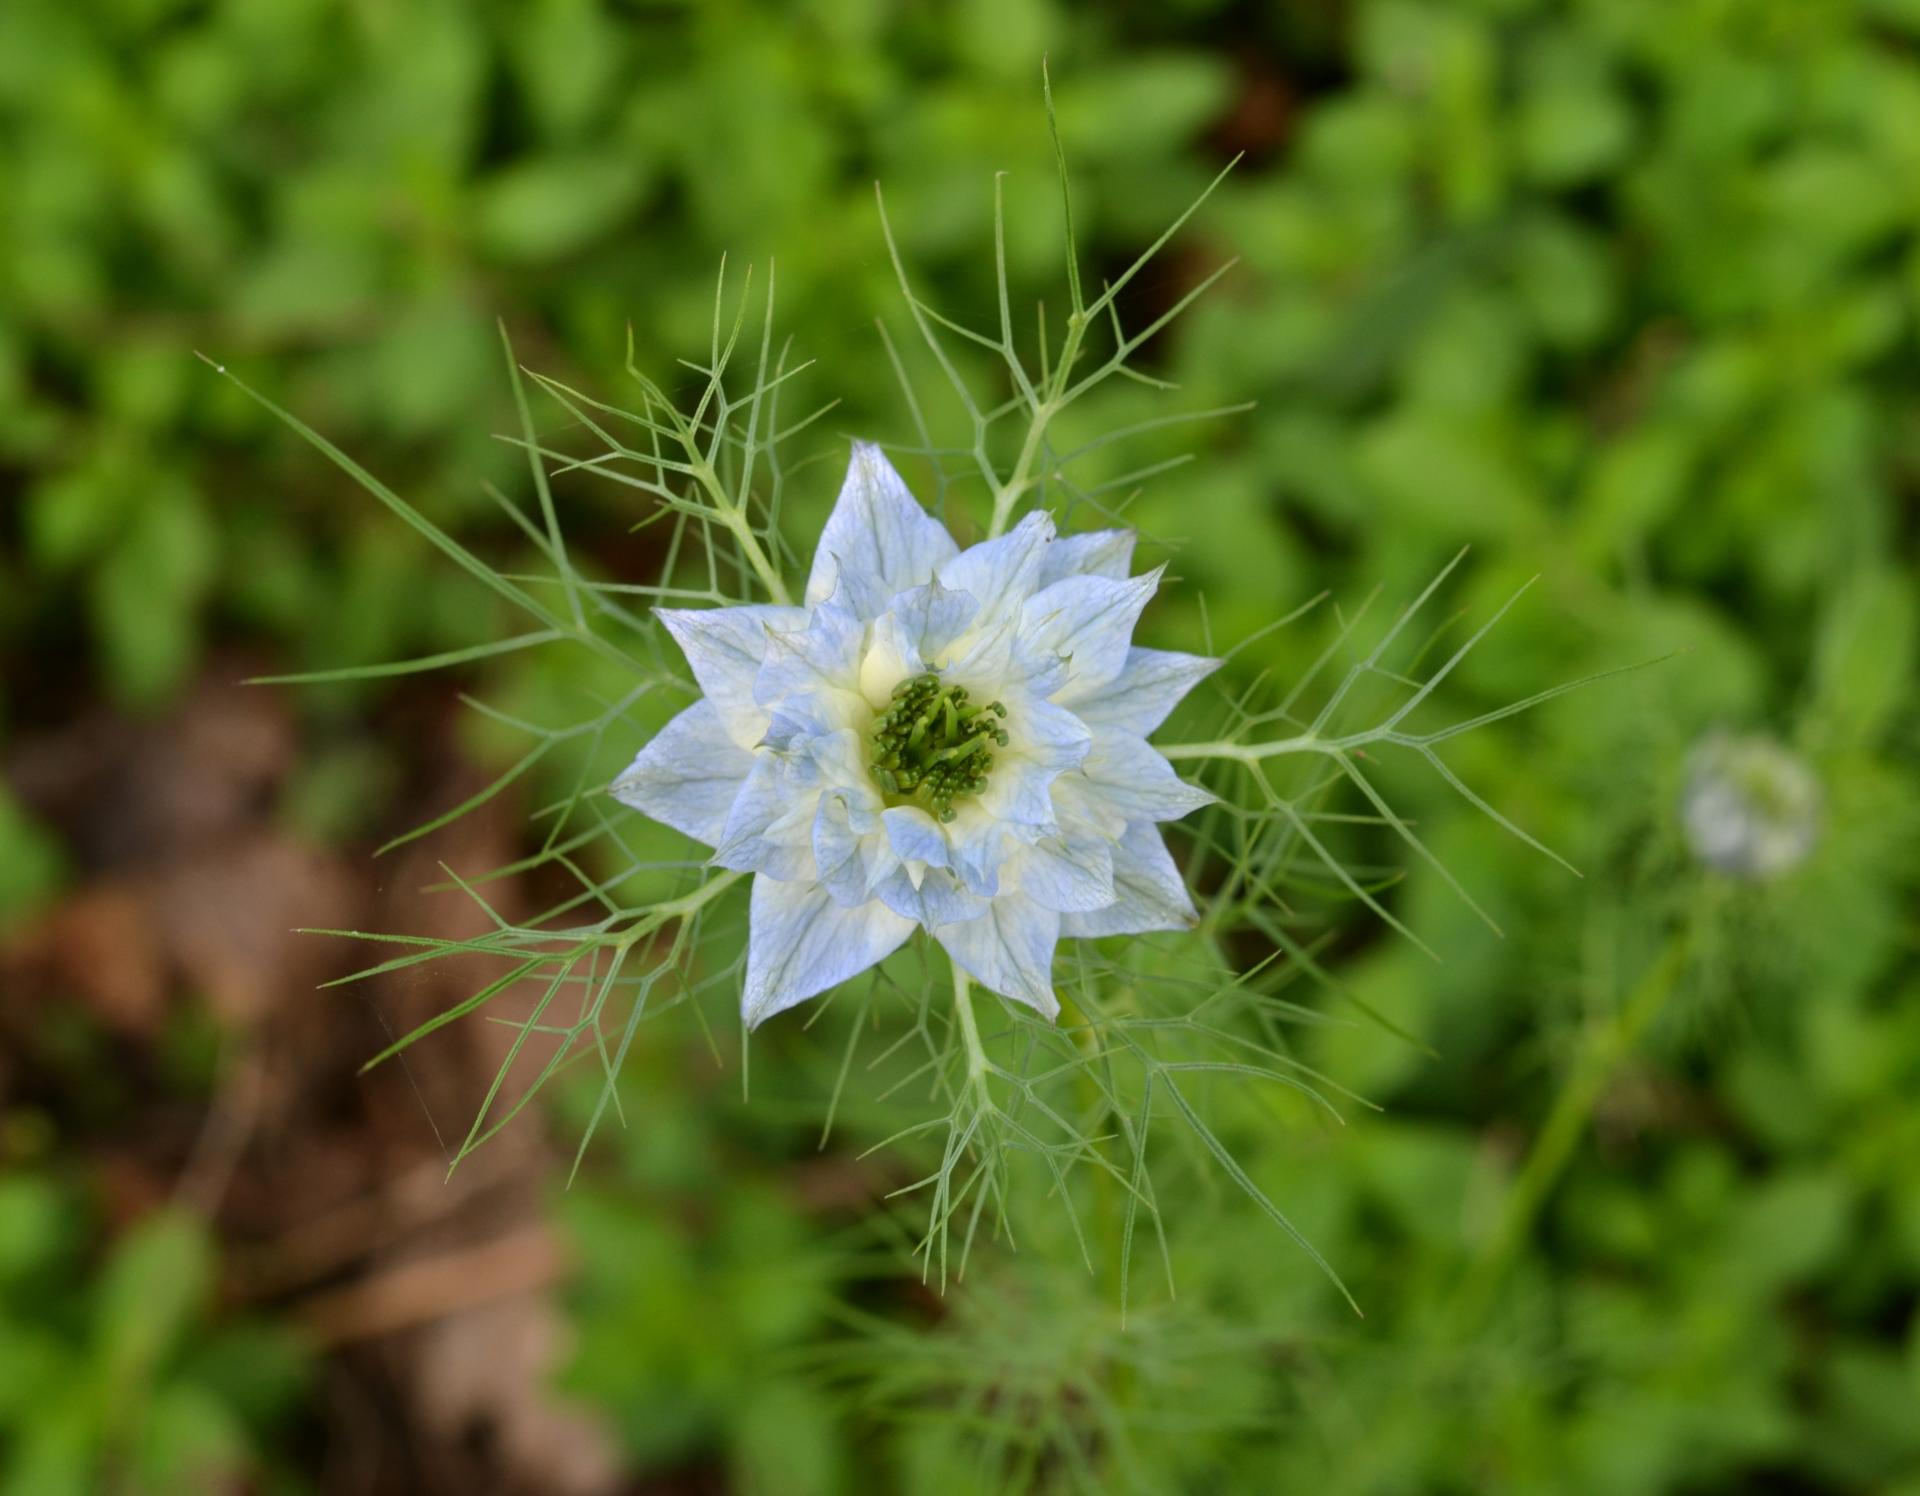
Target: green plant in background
x,y
1621,293
120,1383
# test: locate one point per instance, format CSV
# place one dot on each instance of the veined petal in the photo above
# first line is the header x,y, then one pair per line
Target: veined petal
x,y
1044,734
725,646
1002,573
1079,809
937,899
770,825
1044,741
1127,777
1020,794
1138,699
1089,622
1010,949
800,942
842,763
1149,893
851,860
824,655
978,841
916,627
878,542
1094,553
1065,874
915,836
688,775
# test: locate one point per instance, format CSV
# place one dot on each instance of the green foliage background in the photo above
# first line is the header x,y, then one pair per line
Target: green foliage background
x,y
1621,292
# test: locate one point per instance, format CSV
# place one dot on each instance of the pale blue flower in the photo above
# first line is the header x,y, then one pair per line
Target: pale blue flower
x,y
1750,808
940,738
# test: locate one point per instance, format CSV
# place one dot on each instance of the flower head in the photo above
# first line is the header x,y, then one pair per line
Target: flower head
x,y
940,738
1750,808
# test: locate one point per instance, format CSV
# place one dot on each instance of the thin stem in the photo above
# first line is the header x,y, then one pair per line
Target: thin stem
x,y
1607,1047
757,557
1006,495
1248,753
734,517
969,1030
672,909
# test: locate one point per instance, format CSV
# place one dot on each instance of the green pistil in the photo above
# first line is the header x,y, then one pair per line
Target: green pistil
x,y
932,744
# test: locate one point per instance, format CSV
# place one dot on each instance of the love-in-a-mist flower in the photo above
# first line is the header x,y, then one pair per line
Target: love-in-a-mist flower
x,y
1750,808
940,738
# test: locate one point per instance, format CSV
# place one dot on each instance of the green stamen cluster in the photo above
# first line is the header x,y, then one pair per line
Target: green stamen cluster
x,y
931,742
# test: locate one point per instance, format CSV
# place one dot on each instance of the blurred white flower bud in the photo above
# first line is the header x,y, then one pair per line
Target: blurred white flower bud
x,y
1750,808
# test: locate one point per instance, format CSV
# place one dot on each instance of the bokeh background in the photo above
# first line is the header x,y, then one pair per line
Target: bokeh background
x,y
1624,293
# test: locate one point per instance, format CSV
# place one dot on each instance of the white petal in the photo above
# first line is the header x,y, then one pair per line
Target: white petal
x,y
916,627
852,859
800,942
878,542
915,835
1138,699
1087,620
1149,893
1126,777
1010,949
1079,810
978,841
770,826
823,656
842,762
1097,553
1044,734
1018,794
938,899
1044,741
1066,873
1003,573
725,646
688,775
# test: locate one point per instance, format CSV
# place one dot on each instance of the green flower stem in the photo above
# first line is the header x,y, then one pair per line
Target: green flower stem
x,y
977,1063
734,517
757,558
1055,397
1006,495
672,909
1608,1045
1249,753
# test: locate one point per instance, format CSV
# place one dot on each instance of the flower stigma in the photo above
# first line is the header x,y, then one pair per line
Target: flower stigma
x,y
931,742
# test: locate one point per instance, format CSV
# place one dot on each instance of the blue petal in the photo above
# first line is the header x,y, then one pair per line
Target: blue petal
x,y
1009,949
1088,621
804,662
1003,573
915,835
725,646
1067,874
878,542
689,775
769,828
800,942
851,858
937,900
910,635
1149,893
1045,741
1096,553
1125,777
1137,700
